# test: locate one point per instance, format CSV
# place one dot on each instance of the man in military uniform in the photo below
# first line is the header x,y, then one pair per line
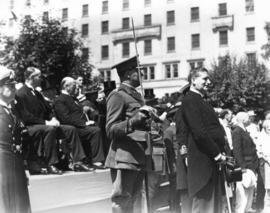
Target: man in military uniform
x,y
125,124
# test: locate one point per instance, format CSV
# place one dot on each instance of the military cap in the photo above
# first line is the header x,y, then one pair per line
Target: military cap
x,y
6,76
125,66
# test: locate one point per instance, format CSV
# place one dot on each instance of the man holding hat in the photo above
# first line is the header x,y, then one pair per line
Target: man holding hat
x,y
126,156
14,196
44,128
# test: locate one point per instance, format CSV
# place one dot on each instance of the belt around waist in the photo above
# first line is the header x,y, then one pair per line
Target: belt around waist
x,y
16,148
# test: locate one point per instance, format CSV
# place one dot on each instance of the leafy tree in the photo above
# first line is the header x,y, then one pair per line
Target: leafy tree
x,y
266,47
238,84
49,47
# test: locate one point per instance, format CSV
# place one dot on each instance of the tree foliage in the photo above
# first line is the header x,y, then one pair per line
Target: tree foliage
x,y
238,84
266,47
49,47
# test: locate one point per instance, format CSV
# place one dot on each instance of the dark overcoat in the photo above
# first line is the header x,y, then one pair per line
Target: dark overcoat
x,y
124,152
206,140
244,149
14,196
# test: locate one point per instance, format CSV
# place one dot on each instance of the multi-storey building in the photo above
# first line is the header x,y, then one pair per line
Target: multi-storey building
x,y
173,36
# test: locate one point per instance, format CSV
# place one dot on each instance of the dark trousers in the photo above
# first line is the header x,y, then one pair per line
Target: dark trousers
x,y
44,140
92,142
127,190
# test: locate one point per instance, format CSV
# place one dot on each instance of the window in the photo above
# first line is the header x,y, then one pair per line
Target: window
x,y
125,23
125,49
148,47
148,72
147,3
125,4
250,34
104,52
171,70
170,17
45,17
28,3
85,54
46,1
84,30
222,9
195,41
85,10
104,27
251,59
223,37
147,20
106,75
64,14
195,64
65,30
171,44
11,6
104,7
249,5
194,13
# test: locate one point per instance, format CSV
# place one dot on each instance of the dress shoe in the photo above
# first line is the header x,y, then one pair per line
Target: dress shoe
x,y
53,170
98,165
82,168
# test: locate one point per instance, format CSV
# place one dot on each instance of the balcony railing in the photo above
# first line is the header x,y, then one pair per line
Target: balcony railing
x,y
142,32
222,22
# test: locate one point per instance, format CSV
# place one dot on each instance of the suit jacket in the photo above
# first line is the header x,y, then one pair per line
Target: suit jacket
x,y
206,139
124,152
181,139
69,111
244,149
32,108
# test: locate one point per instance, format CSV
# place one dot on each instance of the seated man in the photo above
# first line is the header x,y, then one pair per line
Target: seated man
x,y
70,112
36,115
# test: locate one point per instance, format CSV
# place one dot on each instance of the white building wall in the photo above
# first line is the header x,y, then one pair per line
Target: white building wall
x,y
182,29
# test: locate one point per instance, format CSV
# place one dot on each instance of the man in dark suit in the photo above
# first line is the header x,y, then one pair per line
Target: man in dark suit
x,y
206,143
70,112
245,153
43,128
126,156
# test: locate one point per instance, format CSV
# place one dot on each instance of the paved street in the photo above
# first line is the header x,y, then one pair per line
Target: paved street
x,y
82,192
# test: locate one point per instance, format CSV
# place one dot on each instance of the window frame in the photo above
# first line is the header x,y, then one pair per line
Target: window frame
x,y
84,27
170,17
222,11
105,7
170,44
192,14
125,49
148,47
85,10
125,23
250,34
148,19
170,73
105,52
64,14
195,44
222,33
105,28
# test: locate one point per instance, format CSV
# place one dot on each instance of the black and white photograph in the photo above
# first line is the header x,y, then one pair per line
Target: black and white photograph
x,y
134,106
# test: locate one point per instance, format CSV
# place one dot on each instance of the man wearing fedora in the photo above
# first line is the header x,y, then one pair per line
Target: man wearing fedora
x,y
126,157
14,196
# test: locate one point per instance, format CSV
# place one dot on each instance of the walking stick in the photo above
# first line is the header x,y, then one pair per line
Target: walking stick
x,y
226,189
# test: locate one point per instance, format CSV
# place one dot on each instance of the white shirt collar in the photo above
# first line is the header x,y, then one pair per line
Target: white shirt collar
x,y
196,91
30,86
64,92
4,104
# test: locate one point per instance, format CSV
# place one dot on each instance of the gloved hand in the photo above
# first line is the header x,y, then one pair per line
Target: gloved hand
x,y
139,121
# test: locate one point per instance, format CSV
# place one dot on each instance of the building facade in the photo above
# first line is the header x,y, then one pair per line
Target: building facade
x,y
172,36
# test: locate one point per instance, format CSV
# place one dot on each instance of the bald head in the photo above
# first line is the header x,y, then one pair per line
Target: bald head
x,y
68,85
242,118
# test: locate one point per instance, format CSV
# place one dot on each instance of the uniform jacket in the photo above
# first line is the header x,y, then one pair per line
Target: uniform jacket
x,y
206,139
244,149
69,111
14,193
32,108
124,152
